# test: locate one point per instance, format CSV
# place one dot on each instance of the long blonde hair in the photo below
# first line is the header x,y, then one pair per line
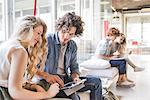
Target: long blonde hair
x,y
122,45
37,53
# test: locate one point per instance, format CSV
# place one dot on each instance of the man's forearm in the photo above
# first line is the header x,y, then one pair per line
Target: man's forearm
x,y
42,74
50,78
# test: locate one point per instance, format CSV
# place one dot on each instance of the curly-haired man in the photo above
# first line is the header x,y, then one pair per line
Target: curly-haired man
x,y
61,61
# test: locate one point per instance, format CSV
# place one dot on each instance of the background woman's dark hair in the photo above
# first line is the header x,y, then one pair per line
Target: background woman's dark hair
x,y
113,31
70,20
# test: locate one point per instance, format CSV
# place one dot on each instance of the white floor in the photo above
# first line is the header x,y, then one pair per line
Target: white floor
x,y
142,79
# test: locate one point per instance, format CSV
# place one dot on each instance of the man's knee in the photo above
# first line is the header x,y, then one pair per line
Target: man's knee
x,y
96,82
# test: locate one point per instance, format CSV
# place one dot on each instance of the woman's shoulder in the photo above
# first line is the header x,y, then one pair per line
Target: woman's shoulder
x,y
15,46
19,50
12,47
10,44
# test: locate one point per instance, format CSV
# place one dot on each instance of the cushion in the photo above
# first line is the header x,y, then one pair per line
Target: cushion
x,y
109,73
95,63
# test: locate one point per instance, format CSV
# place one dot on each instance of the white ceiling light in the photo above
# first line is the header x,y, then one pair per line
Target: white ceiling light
x,y
104,2
113,8
145,10
125,8
136,0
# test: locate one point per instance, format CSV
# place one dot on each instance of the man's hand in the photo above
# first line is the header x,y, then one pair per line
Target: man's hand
x,y
54,79
75,77
50,78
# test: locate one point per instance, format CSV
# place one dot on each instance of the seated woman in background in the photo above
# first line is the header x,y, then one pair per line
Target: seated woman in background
x,y
19,57
105,50
120,43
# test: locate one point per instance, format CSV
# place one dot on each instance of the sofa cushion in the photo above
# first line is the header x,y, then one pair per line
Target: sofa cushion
x,y
109,73
95,63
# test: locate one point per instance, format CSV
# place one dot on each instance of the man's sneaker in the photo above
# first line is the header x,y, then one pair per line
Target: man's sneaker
x,y
125,84
138,69
130,80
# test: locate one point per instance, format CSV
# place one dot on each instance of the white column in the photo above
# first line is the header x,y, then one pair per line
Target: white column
x,y
8,13
53,14
78,7
96,22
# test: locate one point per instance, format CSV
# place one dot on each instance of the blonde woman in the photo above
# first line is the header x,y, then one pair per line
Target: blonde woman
x,y
19,57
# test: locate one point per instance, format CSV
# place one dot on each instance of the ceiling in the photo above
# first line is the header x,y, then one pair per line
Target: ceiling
x,y
128,5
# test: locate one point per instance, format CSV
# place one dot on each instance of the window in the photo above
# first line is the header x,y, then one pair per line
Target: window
x,y
43,9
138,30
2,31
17,14
68,7
64,6
27,12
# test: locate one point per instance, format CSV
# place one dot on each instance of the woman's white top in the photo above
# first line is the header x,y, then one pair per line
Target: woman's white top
x,y
4,62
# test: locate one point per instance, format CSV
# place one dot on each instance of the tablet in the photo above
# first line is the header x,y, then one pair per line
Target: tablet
x,y
72,84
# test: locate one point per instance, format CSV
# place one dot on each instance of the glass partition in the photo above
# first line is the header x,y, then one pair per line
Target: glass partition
x,y
2,22
137,31
26,7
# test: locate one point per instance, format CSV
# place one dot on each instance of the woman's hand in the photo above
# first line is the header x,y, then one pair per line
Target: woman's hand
x,y
53,90
116,53
36,87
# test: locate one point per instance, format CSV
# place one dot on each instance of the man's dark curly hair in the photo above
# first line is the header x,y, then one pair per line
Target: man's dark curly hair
x,y
70,20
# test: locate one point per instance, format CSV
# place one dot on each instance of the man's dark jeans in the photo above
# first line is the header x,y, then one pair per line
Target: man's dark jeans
x,y
95,86
92,83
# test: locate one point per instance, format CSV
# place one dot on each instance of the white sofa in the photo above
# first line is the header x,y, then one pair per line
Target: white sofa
x,y
99,68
